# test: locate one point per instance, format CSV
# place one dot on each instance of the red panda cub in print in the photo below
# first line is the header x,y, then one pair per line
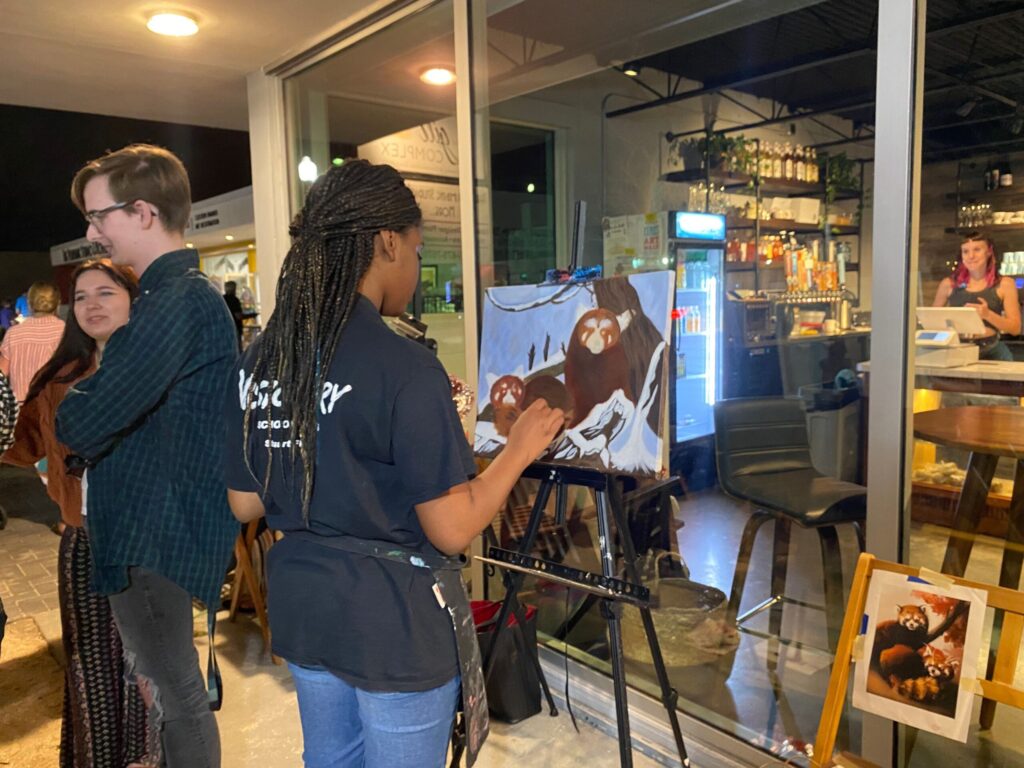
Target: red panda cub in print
x,y
898,643
595,363
507,395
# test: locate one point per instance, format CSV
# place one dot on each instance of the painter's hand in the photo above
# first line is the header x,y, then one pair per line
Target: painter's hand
x,y
981,307
535,429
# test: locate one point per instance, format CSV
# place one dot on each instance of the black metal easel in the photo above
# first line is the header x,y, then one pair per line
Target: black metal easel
x,y
609,505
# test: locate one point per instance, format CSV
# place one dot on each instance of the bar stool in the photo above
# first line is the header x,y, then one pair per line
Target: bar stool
x,y
763,457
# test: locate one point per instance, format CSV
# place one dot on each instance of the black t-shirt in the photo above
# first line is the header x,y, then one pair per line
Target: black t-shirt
x,y
389,438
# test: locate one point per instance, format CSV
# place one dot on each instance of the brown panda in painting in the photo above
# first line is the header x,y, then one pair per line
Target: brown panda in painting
x,y
550,390
595,363
507,395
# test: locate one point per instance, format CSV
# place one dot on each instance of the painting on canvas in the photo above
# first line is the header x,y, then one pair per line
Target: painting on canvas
x,y
921,646
596,350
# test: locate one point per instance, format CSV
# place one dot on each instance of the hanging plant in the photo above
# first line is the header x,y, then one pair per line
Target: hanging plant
x,y
841,176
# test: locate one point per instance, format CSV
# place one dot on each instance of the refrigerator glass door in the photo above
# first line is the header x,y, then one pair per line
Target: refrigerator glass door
x,y
695,363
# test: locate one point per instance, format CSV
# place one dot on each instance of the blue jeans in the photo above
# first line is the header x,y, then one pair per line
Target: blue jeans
x,y
347,727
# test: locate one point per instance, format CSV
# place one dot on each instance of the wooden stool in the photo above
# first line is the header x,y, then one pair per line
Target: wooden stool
x,y
245,576
988,432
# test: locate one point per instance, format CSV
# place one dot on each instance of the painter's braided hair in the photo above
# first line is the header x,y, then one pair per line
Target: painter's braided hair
x,y
332,248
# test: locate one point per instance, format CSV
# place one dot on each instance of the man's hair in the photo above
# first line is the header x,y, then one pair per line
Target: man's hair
x,y
43,298
230,284
141,172
332,248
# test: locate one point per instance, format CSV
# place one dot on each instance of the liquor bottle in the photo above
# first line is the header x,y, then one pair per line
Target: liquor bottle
x,y
801,167
988,177
764,167
787,162
994,184
776,161
696,320
1005,175
814,172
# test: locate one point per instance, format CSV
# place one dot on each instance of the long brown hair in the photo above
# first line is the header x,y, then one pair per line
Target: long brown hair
x,y
76,347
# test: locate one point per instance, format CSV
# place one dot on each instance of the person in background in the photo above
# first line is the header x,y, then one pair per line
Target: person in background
x,y
6,315
234,307
26,347
147,426
976,283
104,717
345,435
22,308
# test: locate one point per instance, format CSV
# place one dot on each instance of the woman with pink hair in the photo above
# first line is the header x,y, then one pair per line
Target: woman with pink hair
x,y
976,283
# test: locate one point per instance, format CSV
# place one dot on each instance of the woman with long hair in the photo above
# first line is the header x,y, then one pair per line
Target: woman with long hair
x,y
104,719
976,283
345,435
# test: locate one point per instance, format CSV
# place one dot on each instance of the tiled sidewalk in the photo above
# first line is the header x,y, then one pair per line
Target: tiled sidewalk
x,y
28,548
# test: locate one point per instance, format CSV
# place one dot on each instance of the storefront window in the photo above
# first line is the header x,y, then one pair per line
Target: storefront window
x,y
390,98
966,483
756,125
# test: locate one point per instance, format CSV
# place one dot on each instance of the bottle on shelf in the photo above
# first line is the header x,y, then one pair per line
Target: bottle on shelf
x,y
776,161
800,166
1005,175
988,177
764,169
788,165
695,312
813,172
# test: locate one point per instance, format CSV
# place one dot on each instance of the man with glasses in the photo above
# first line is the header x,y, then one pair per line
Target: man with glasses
x,y
148,428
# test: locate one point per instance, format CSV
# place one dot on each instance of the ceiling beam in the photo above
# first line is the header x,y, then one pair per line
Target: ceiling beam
x,y
800,64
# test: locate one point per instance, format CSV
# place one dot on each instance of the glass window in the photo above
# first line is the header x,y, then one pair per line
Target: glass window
x,y
969,378
390,98
755,125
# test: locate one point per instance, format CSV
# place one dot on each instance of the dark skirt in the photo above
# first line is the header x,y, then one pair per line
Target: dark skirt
x,y
105,719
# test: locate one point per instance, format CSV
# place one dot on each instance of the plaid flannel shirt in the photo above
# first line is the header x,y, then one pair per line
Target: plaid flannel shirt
x,y
151,421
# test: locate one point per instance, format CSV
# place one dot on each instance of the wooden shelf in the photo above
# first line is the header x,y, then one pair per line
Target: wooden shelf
x,y
788,225
981,194
989,228
717,177
742,182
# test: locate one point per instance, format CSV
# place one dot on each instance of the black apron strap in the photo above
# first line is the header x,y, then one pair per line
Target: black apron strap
x,y
214,684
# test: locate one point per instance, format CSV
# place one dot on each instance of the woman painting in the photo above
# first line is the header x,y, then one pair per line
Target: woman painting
x,y
104,719
345,435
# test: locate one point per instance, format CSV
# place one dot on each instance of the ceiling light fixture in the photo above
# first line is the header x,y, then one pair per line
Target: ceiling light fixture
x,y
968,106
173,24
631,70
229,237
189,245
437,76
307,169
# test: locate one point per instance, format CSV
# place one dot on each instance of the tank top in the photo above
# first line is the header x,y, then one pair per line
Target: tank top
x,y
961,297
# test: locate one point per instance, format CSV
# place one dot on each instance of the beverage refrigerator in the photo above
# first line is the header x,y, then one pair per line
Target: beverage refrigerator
x,y
692,245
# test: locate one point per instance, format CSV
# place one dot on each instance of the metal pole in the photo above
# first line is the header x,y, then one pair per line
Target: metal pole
x,y
899,84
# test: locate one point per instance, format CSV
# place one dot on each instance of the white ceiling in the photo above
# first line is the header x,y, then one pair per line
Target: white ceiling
x,y
99,58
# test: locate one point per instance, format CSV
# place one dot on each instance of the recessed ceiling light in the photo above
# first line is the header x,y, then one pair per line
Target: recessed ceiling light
x,y
189,245
174,24
437,76
631,70
229,237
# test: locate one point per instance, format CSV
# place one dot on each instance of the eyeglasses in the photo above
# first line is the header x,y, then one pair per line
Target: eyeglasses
x,y
96,217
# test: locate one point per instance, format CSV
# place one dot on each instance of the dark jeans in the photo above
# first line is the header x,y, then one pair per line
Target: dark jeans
x,y
154,616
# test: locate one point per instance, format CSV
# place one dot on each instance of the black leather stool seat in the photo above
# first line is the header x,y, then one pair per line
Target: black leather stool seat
x,y
805,495
763,457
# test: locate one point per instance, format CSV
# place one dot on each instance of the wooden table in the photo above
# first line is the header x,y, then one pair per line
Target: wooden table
x,y
988,432
986,377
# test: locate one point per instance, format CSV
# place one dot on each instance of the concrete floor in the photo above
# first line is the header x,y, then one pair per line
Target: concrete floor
x,y
259,722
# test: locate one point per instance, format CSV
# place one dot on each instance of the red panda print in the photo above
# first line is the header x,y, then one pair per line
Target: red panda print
x,y
595,363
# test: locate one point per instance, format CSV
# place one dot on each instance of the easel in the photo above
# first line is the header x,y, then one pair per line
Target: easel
x,y
998,688
609,505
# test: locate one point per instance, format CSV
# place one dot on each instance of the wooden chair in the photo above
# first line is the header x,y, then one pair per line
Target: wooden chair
x,y
245,577
998,687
